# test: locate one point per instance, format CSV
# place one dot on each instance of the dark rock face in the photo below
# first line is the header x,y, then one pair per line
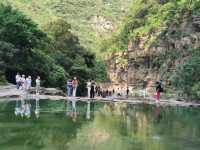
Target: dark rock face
x,y
140,62
196,22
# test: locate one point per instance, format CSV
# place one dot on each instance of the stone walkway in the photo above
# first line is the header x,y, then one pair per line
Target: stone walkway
x,y
9,93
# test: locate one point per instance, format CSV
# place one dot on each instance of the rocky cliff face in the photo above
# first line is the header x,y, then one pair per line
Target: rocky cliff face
x,y
143,62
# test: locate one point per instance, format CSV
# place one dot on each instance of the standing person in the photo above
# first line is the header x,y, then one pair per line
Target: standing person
x,y
89,84
23,82
74,85
17,79
158,90
113,92
96,90
69,87
92,91
37,83
127,92
29,81
118,92
20,82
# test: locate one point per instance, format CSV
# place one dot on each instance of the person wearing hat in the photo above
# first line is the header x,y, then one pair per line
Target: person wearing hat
x,y
74,86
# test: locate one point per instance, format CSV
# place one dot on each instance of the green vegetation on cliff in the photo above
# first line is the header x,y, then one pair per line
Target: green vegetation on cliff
x,y
167,32
91,20
148,17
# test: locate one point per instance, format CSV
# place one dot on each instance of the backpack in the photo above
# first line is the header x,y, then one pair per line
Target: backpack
x,y
161,89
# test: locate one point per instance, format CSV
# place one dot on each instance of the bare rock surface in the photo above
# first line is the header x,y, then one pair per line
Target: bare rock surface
x,y
10,91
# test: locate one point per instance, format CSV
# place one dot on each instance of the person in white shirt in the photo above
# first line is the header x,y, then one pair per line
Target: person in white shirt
x,y
23,82
28,82
17,79
37,81
89,84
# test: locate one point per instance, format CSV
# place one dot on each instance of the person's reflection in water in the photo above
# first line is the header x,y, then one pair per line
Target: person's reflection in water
x,y
112,106
68,108
17,108
37,108
73,114
28,110
88,111
158,113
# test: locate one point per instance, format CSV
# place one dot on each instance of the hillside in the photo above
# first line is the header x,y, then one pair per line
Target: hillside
x,y
90,20
163,39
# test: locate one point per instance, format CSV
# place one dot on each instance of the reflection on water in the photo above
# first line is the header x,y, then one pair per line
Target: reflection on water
x,y
88,110
37,108
71,125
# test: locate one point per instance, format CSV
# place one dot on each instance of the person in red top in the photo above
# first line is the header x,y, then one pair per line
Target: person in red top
x,y
74,86
158,90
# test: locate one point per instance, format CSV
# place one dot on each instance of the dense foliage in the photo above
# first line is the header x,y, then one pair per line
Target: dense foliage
x,y
150,20
186,78
55,55
147,17
18,36
79,13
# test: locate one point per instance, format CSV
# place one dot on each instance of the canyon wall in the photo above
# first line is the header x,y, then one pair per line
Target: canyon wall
x,y
142,63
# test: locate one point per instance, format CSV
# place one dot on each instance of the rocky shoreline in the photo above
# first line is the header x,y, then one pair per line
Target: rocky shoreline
x,y
10,93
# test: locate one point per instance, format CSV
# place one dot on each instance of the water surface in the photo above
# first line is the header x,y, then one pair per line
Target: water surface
x,y
99,126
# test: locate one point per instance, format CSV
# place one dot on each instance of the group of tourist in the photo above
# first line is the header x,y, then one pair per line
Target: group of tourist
x,y
92,88
95,90
24,82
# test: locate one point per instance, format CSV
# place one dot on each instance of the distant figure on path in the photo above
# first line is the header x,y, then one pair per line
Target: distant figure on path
x,y
89,84
113,91
118,92
92,91
17,79
37,83
74,85
69,87
23,82
127,92
158,90
29,82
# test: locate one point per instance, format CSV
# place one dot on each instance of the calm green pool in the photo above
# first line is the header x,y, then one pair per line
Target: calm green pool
x,y
61,125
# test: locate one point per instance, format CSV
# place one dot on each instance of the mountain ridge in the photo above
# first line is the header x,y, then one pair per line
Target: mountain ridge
x,y
79,14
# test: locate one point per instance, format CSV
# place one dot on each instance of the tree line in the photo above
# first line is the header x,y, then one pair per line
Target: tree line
x,y
51,51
